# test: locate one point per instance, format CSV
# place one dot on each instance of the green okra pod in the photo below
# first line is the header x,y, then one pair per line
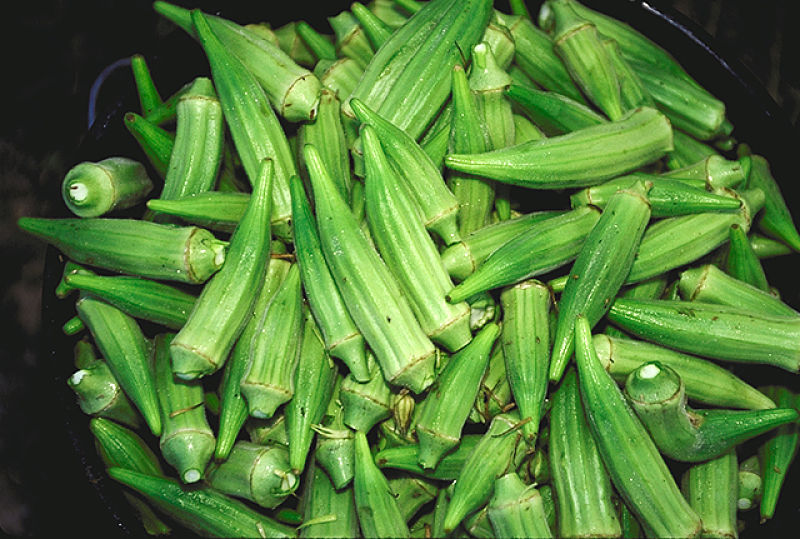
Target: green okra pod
x,y
340,76
377,508
632,92
582,485
525,130
201,347
149,98
334,451
165,111
776,219
100,395
578,159
711,488
447,406
411,493
714,331
156,143
393,14
765,247
94,189
437,137
73,326
63,289
406,458
741,262
526,349
778,452
495,394
658,396
351,39
634,464
371,294
409,251
268,380
500,42
600,269
122,447
187,441
750,484
374,28
318,44
517,509
270,431
687,151
705,381
292,44
327,512
554,113
216,210
717,172
259,473
186,254
365,404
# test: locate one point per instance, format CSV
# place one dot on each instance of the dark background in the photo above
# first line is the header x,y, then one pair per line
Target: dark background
x,y
52,52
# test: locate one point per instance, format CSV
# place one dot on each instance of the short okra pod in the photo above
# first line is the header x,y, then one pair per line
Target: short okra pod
x,y
99,394
149,98
216,210
365,404
711,488
218,317
634,464
185,254
578,159
156,143
406,458
73,326
741,262
776,220
351,39
717,172
334,451
187,441
327,512
750,484
778,452
516,509
95,189
554,113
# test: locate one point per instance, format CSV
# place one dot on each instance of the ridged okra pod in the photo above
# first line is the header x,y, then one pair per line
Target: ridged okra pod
x,y
327,512
216,210
376,31
526,349
600,269
632,92
500,42
741,262
546,245
140,298
578,159
370,292
342,338
187,441
350,39
424,181
203,510
711,488
435,140
93,189
705,381
687,151
259,473
155,142
658,396
292,89
448,403
291,43
185,254
122,343
320,45
256,132
201,347
340,77
778,452
498,452
634,464
233,407
100,395
517,509
268,380
750,484
776,219
149,98
334,451
411,493
765,247
390,12
554,113
715,170
714,331
377,508
582,485
408,79
524,131
408,250
406,458
365,404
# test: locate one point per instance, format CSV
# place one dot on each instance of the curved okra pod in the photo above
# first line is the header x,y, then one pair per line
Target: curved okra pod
x,y
334,452
259,473
327,512
750,484
408,250
778,452
546,245
94,189
776,219
406,458
216,210
351,39
705,381
578,159
517,509
581,483
741,262
99,394
203,344
447,406
657,394
122,343
370,292
711,488
715,170
526,349
714,331
634,464
203,510
187,441
268,380
377,508
186,254
156,143
365,404
554,113
292,89
600,269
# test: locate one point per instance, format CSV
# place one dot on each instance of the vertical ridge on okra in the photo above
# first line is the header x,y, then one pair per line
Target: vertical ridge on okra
x,y
202,345
517,509
711,488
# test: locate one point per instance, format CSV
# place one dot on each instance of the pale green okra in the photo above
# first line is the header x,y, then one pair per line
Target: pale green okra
x,y
517,509
100,395
711,488
93,189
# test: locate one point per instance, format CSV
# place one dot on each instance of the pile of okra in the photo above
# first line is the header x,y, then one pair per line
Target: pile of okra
x,y
341,312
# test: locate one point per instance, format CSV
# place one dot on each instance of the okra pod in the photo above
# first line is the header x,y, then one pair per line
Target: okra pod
x,y
495,393
365,404
765,247
500,42
516,509
156,143
750,484
100,395
711,488
292,44
406,458
63,289
327,512
122,447
776,219
778,452
374,28
165,111
632,92
351,39
554,113
687,151
216,210
742,263
149,98
411,493
341,78
525,130
334,452
437,137
717,172
94,189
319,45
393,14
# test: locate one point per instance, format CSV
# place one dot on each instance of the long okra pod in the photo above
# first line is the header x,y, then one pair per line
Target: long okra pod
x,y
94,189
216,210
375,29
778,452
711,488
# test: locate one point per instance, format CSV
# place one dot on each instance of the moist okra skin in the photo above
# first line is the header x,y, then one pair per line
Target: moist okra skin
x,y
778,452
100,395
94,189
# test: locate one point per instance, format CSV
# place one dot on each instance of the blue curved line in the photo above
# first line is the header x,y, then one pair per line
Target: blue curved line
x,y
98,82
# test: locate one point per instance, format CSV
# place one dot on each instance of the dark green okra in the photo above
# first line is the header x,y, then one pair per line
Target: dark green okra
x,y
334,451
351,39
634,464
156,143
100,395
581,483
714,331
778,452
546,245
122,343
365,404
149,98
578,159
201,347
187,441
711,488
376,31
268,380
185,254
554,113
600,269
370,292
94,189
741,261
447,406
327,512
517,509
406,458
776,219
526,349
705,381
409,251
216,210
